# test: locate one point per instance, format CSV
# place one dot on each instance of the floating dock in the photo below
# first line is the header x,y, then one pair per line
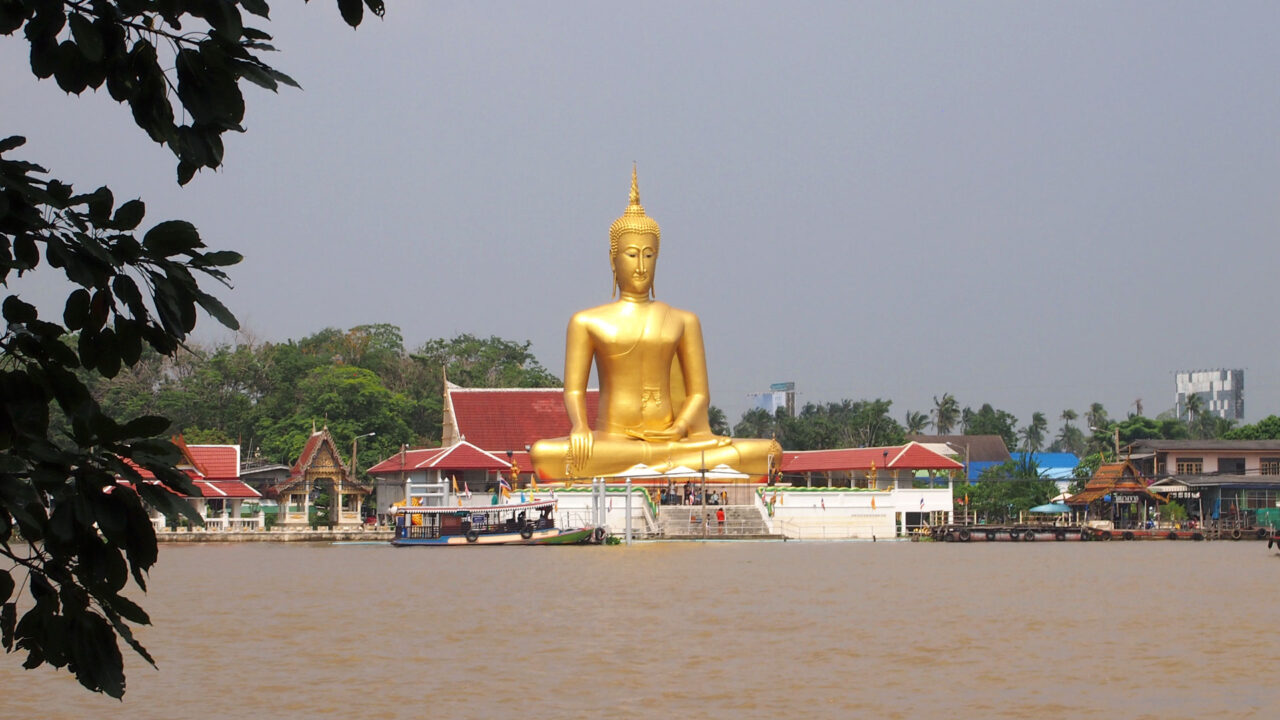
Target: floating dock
x,y
1068,533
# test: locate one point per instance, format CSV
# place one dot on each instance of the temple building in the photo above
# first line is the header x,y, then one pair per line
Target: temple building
x,y
1116,497
427,476
215,472
507,421
322,480
842,493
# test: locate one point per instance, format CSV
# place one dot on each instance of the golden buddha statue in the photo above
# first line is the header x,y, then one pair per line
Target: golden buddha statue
x,y
653,377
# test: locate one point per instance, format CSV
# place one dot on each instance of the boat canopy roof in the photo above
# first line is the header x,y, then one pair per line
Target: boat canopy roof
x,y
472,510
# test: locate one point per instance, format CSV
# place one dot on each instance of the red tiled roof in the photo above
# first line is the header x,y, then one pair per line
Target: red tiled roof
x,y
911,456
219,462
409,460
308,451
1113,477
213,469
502,419
915,456
212,489
463,456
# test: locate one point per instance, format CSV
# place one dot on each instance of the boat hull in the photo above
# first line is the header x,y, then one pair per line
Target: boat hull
x,y
549,536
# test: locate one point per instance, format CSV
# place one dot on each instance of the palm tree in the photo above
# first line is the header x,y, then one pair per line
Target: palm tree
x,y
945,413
1195,406
1033,434
915,422
1069,439
1097,417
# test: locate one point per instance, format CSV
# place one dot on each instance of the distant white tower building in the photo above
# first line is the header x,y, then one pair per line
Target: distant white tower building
x,y
780,395
1221,392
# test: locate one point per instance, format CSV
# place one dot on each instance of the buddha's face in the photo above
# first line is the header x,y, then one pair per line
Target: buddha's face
x,y
633,265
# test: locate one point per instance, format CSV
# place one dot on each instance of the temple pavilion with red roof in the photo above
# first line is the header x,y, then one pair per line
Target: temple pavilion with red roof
x,y
1118,493
319,470
429,474
866,467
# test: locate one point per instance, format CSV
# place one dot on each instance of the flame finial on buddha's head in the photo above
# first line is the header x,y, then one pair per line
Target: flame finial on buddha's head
x,y
633,220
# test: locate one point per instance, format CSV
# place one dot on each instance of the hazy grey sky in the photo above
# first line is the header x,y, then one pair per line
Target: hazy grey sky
x,y
1037,205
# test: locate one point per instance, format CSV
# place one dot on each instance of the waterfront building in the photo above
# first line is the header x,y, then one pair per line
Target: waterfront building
x,y
1116,497
1221,392
977,452
507,421
1224,481
863,492
433,477
215,472
319,471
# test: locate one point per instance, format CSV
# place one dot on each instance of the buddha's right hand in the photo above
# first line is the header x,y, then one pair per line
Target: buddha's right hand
x,y
580,442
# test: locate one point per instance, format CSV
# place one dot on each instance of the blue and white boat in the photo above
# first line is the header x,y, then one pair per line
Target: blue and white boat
x,y
531,523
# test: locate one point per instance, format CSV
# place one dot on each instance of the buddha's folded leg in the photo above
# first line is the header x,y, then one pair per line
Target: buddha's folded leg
x,y
611,455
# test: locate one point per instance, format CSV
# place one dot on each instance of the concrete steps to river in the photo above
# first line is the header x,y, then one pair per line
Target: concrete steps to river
x,y
686,522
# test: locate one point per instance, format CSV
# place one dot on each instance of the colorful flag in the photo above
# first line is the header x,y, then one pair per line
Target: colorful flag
x,y
455,492
824,503
922,503
873,503
466,489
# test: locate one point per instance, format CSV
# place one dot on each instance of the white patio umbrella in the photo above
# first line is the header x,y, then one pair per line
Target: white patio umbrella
x,y
639,470
724,472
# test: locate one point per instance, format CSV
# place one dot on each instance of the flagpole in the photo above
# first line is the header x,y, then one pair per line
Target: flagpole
x,y
704,495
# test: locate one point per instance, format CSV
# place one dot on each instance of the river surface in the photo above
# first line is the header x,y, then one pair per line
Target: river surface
x,y
720,630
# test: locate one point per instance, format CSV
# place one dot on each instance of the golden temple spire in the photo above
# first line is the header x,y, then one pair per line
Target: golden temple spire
x,y
635,190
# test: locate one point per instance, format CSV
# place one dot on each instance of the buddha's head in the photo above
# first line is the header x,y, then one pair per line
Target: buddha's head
x,y
633,247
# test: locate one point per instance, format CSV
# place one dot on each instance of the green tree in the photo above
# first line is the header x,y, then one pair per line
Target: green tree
x,y
719,423
989,421
946,413
1267,428
1096,417
72,534
1070,438
758,423
915,422
1194,406
1004,491
350,401
848,423
1033,434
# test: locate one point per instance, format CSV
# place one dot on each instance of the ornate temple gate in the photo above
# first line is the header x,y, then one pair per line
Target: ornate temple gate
x,y
320,469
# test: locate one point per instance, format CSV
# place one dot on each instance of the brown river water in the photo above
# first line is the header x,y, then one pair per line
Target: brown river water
x,y
717,630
